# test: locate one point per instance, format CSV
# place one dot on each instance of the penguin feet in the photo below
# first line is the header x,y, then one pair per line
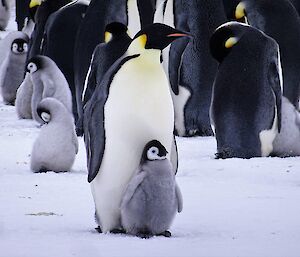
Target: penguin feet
x,y
98,229
165,234
144,234
118,231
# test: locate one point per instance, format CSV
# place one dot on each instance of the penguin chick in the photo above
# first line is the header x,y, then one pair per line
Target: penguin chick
x,y
152,197
23,99
48,81
56,146
287,142
4,14
12,70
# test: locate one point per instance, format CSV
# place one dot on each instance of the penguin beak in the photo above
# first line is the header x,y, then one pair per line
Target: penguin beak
x,y
177,35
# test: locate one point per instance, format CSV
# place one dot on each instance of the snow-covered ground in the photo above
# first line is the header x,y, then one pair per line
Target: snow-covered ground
x,y
234,208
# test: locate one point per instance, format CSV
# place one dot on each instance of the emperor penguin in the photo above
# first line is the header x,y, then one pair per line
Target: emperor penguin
x,y
59,40
6,42
246,102
279,20
296,4
105,54
48,81
136,14
22,13
43,11
23,98
56,146
12,70
190,66
131,106
287,142
152,196
4,14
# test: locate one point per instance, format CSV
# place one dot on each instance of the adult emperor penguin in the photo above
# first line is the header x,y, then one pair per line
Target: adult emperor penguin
x,y
105,54
190,66
152,196
12,70
56,146
131,106
134,13
48,81
23,98
279,20
46,8
4,14
296,4
246,102
287,142
59,39
22,13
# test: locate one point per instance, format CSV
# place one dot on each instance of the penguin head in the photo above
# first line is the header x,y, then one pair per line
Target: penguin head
x,y
34,64
225,38
236,10
33,6
44,114
155,36
19,46
114,30
153,151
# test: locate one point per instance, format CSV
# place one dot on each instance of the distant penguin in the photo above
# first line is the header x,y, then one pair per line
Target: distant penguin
x,y
5,43
48,81
133,13
190,66
287,142
23,98
279,20
22,13
43,12
56,146
246,102
59,40
105,54
12,70
131,106
4,14
152,196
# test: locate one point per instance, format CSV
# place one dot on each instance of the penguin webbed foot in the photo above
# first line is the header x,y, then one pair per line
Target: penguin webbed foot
x,y
144,234
98,229
165,234
118,231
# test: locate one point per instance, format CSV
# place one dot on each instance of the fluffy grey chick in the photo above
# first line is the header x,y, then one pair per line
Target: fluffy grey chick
x,y
23,99
56,146
12,70
152,197
287,142
48,81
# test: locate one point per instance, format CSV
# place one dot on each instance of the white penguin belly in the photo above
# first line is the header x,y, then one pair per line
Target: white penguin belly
x,y
139,109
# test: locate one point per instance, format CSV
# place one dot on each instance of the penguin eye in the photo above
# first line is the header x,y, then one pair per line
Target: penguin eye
x,y
32,67
45,117
15,48
25,47
152,154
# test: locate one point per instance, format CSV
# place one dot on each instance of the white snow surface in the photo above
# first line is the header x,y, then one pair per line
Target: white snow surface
x,y
234,207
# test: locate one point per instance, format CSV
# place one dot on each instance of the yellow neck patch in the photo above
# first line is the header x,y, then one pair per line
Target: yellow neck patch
x,y
240,11
34,3
107,36
230,42
143,40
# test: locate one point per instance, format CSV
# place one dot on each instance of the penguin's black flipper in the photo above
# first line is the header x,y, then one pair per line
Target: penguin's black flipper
x,y
175,61
274,81
93,123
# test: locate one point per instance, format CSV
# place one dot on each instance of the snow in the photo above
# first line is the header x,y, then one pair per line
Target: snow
x,y
232,207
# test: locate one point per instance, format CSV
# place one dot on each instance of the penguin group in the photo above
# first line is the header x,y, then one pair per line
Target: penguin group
x,y
130,75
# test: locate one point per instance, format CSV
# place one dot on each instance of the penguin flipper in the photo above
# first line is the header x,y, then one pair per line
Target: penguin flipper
x,y
274,81
175,62
174,155
132,187
179,198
